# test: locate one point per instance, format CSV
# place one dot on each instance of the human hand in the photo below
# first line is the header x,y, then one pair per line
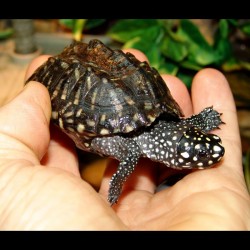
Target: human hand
x,y
41,186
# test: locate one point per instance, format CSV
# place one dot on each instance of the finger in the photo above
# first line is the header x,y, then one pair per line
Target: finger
x,y
24,126
138,54
35,64
209,88
61,152
180,93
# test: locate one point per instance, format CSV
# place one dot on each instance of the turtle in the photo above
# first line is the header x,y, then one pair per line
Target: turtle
x,y
114,105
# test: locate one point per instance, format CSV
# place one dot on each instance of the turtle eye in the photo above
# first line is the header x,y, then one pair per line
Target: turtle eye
x,y
202,153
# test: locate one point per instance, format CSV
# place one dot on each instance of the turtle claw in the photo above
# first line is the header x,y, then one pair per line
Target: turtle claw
x,y
112,200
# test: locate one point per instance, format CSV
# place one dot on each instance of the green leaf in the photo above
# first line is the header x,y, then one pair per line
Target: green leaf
x,y
224,29
222,45
200,52
93,23
148,43
234,22
69,23
78,29
127,29
230,65
190,65
233,64
90,23
246,28
167,67
6,33
174,50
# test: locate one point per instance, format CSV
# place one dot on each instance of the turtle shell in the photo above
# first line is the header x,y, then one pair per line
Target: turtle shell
x,y
97,91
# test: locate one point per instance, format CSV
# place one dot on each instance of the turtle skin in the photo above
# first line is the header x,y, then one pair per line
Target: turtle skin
x,y
114,105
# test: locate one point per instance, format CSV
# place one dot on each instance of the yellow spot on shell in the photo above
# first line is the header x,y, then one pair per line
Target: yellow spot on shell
x,y
104,131
80,128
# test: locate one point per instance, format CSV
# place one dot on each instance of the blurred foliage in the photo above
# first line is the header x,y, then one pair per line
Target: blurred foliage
x,y
6,30
179,48
78,26
174,46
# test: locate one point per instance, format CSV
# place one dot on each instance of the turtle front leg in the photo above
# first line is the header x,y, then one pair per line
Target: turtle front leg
x,y
125,150
208,119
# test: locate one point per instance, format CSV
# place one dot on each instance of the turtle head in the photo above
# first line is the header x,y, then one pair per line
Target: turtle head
x,y
197,149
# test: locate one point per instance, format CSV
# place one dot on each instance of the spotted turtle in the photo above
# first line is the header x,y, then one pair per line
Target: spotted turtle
x,y
114,105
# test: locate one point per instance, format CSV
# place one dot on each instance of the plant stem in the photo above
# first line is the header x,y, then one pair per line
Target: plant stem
x,y
78,28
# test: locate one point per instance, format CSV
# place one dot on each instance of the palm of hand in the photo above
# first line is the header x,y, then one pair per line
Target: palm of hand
x,y
55,197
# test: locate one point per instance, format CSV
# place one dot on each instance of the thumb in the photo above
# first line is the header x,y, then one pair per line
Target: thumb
x,y
24,124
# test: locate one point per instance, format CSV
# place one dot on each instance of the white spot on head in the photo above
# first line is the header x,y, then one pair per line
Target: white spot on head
x,y
195,158
215,155
210,162
185,154
216,148
174,138
200,164
208,139
216,137
180,160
